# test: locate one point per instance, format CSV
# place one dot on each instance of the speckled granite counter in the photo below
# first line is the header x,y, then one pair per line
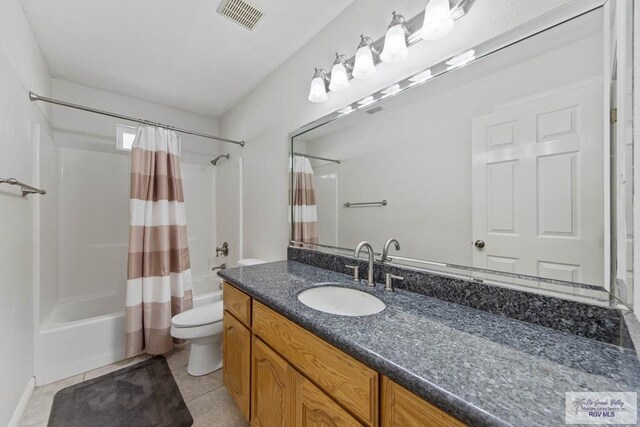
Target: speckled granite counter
x,y
482,368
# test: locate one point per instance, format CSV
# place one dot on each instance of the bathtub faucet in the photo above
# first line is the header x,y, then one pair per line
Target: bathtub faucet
x,y
220,267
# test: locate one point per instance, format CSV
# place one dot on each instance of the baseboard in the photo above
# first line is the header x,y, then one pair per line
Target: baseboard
x,y
22,404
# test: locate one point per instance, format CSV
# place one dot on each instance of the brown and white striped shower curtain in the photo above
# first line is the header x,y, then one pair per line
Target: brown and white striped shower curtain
x,y
305,216
159,275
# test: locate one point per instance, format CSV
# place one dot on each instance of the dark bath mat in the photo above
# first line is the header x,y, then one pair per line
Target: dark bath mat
x,y
144,394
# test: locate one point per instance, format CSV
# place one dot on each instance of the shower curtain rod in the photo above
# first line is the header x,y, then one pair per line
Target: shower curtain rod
x,y
35,97
309,156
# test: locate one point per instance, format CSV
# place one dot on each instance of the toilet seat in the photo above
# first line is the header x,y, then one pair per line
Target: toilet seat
x,y
199,322
200,316
191,333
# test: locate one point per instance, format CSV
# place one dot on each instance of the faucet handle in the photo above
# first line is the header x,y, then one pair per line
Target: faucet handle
x,y
356,272
388,282
224,250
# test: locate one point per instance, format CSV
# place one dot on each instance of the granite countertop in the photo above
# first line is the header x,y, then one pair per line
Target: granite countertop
x,y
482,368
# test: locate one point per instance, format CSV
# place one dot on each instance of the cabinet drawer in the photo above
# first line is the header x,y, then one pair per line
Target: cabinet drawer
x,y
401,408
346,380
237,303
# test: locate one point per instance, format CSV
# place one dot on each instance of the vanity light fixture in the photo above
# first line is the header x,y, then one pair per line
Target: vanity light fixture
x,y
462,59
339,77
364,68
318,89
395,42
438,21
434,22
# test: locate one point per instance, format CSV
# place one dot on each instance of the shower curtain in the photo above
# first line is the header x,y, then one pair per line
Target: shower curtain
x,y
158,275
305,217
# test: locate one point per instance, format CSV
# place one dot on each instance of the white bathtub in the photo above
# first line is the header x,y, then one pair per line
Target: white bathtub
x,y
81,335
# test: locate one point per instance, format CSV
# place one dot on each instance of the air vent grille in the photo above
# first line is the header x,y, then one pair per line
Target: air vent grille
x,y
240,12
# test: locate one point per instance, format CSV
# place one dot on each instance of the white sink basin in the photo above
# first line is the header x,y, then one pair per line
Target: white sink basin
x,y
342,301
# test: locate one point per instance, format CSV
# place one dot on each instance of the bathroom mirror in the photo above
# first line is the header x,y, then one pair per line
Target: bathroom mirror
x,y
490,165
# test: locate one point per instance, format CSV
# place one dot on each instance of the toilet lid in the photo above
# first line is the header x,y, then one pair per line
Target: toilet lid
x,y
210,313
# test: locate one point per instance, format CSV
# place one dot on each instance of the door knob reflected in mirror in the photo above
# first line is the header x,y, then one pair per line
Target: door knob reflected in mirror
x,y
479,244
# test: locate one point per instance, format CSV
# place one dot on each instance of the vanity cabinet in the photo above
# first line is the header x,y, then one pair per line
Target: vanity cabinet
x,y
401,408
238,304
236,353
274,388
280,374
349,382
315,408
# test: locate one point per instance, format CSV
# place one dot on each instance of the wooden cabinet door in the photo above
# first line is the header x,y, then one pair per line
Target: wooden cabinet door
x,y
401,408
236,363
273,383
348,381
315,409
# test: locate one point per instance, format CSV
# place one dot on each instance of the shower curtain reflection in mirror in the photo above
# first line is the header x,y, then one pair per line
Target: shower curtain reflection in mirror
x,y
305,217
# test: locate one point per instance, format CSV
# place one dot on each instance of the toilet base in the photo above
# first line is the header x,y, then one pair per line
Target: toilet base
x,y
205,355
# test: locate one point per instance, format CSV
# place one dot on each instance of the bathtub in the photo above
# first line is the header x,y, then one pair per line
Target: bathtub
x,y
85,334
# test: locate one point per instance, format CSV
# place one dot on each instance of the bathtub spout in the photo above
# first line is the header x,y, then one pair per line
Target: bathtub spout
x,y
220,267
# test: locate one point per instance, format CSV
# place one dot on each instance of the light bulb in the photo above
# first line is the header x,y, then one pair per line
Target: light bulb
x,y
364,67
437,20
339,78
318,91
395,42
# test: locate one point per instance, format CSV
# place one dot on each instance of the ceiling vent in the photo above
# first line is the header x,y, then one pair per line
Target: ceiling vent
x,y
240,12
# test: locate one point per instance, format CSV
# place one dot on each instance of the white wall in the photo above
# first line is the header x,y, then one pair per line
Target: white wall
x,y
636,163
22,68
417,152
279,104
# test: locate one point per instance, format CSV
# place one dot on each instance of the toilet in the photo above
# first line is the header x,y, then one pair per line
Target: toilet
x,y
202,326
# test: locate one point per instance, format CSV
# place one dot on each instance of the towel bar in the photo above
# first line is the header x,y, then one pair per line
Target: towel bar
x,y
26,189
381,203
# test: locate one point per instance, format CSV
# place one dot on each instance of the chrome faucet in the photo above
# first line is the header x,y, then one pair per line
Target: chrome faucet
x,y
220,267
356,253
385,250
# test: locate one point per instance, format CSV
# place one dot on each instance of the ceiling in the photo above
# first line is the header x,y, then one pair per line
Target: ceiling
x,y
176,53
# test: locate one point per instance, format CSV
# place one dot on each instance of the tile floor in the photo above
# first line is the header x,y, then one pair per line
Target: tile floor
x,y
206,396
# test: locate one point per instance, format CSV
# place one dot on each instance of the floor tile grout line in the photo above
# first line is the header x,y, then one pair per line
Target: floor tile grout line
x,y
200,395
